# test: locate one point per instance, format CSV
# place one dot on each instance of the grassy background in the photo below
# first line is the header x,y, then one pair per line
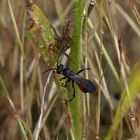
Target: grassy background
x,y
31,108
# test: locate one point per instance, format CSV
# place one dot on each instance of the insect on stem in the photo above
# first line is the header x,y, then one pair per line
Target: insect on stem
x,y
84,85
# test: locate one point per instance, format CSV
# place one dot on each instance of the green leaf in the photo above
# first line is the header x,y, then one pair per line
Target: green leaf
x,y
41,33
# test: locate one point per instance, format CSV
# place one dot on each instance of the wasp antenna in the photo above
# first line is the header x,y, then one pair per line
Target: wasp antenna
x,y
49,70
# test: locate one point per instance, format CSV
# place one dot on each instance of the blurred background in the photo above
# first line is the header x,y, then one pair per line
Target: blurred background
x,y
110,18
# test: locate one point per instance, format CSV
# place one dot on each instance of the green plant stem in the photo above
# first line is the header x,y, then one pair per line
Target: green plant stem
x,y
75,55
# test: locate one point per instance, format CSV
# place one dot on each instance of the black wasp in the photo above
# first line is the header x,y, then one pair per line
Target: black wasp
x,y
70,76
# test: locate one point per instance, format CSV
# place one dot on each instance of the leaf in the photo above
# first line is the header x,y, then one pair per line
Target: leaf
x,y
41,33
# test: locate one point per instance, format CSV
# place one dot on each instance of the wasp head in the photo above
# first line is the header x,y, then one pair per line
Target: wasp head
x,y
60,68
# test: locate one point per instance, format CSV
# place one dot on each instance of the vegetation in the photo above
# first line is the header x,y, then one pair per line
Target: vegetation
x,y
37,36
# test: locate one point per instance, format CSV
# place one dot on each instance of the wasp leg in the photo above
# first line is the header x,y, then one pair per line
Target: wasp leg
x,y
63,78
73,95
64,84
67,81
83,70
73,90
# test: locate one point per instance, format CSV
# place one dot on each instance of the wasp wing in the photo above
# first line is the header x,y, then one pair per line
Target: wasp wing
x,y
85,85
